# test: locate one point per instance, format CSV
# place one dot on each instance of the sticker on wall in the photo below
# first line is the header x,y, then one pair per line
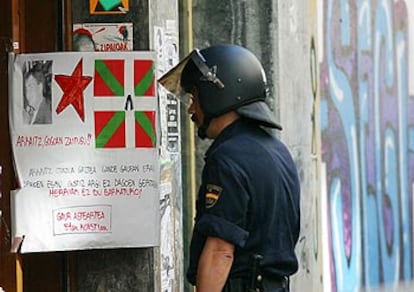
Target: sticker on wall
x,y
102,37
108,6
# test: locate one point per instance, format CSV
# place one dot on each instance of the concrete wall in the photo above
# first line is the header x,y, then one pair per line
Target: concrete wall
x,y
297,86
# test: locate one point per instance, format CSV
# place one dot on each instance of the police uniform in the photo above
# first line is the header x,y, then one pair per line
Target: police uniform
x,y
249,196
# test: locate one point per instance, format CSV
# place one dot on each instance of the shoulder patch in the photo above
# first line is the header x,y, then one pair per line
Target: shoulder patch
x,y
212,195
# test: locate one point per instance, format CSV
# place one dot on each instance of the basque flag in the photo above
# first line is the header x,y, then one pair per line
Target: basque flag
x,y
118,124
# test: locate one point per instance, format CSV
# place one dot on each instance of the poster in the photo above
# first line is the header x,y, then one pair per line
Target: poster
x,y
166,47
108,6
102,37
84,134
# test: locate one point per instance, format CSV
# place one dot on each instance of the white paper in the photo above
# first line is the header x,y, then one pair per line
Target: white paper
x,y
87,159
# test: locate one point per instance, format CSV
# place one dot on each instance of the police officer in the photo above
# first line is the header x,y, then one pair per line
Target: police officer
x,y
247,212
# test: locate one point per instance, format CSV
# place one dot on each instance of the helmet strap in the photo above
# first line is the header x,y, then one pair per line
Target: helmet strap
x,y
202,130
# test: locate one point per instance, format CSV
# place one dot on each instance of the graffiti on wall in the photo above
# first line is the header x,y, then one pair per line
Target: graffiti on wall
x,y
367,124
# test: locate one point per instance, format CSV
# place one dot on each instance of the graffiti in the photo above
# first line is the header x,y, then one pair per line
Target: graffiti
x,y
367,124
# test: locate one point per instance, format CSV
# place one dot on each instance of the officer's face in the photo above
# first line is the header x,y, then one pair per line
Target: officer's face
x,y
194,108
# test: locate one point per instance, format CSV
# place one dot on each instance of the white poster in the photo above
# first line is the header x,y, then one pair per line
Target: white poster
x,y
85,146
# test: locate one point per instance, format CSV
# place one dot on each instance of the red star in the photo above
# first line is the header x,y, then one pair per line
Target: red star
x,y
73,87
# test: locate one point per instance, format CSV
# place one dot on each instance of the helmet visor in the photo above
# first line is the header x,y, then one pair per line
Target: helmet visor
x,y
171,80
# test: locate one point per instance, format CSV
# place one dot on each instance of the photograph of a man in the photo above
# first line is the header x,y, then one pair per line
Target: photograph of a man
x,y
37,95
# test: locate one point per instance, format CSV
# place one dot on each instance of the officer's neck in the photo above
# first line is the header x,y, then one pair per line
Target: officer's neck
x,y
218,124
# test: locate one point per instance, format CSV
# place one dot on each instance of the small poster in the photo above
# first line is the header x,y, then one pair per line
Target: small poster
x,y
108,6
102,37
166,47
84,134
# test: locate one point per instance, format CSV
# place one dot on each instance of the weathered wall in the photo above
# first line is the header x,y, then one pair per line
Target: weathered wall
x,y
297,86
164,39
367,118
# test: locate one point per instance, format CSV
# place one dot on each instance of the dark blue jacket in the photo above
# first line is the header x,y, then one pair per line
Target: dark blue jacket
x,y
250,197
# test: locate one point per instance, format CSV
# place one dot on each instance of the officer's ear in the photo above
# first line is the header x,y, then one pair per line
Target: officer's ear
x,y
189,96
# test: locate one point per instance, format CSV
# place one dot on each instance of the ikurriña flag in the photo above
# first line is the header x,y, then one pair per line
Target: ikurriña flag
x,y
111,125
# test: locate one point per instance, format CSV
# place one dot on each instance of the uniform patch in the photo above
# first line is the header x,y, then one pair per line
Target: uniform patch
x,y
212,195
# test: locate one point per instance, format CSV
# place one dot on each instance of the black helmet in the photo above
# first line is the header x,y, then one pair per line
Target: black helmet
x,y
228,77
241,75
